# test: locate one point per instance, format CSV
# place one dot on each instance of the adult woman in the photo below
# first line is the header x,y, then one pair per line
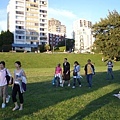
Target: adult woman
x,y
3,84
76,74
17,87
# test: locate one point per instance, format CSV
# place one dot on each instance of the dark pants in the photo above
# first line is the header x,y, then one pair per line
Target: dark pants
x,y
16,89
110,72
74,81
89,80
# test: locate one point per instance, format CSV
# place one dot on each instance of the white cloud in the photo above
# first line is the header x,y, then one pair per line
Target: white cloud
x,y
66,18
62,13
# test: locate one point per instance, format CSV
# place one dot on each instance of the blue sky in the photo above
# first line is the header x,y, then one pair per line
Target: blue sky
x,y
68,11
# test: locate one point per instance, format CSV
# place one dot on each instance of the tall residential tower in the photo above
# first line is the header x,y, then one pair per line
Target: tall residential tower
x,y
83,35
28,20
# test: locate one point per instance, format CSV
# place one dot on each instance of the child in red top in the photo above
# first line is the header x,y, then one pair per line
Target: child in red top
x,y
58,73
58,69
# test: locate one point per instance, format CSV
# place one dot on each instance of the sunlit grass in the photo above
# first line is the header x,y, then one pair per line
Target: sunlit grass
x,y
45,102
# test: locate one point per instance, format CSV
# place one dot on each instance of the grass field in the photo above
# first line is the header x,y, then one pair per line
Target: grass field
x,y
45,102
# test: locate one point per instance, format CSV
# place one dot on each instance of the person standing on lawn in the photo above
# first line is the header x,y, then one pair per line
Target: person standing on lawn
x,y
66,71
17,86
58,73
89,72
3,84
109,69
76,74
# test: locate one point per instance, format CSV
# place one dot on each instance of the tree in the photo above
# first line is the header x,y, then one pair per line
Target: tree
x,y
107,34
69,43
47,47
6,40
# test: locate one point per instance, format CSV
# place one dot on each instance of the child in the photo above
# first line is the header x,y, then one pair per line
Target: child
x,y
58,73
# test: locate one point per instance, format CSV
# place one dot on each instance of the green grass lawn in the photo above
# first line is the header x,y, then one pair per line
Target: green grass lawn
x,y
45,102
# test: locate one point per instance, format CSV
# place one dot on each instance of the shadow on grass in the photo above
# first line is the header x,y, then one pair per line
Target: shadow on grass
x,y
95,105
42,95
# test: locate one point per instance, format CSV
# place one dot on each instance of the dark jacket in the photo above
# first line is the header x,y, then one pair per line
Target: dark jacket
x,y
66,67
92,68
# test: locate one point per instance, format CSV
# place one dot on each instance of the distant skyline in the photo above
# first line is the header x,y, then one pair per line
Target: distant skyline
x,y
67,11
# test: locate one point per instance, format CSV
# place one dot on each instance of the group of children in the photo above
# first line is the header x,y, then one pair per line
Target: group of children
x,y
18,86
65,75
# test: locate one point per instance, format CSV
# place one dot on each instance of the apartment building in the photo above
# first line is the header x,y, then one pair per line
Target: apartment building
x,y
56,26
56,32
55,38
28,20
83,35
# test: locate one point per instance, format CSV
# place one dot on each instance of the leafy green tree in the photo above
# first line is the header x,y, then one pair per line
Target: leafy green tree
x,y
107,34
47,47
6,40
69,43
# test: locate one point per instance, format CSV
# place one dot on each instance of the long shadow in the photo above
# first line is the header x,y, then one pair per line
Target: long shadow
x,y
41,95
95,105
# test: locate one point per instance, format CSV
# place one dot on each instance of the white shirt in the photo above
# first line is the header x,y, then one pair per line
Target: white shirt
x,y
3,80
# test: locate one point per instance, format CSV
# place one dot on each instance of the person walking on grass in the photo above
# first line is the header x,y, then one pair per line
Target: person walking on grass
x,y
89,72
76,74
109,69
17,86
58,73
3,84
66,71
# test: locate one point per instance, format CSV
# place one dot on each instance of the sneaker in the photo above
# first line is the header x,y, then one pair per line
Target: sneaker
x,y
20,109
117,95
15,108
8,99
73,87
3,105
61,85
80,85
68,85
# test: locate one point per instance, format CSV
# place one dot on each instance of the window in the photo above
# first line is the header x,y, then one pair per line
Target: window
x,y
36,24
20,12
41,29
27,37
19,27
89,24
33,38
19,32
85,23
33,5
43,11
20,22
81,25
41,24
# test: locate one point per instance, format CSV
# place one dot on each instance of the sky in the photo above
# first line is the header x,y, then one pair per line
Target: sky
x,y
67,11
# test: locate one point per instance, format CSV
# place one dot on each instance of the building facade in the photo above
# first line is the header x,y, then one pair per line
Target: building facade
x,y
55,26
56,31
55,38
28,20
82,35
